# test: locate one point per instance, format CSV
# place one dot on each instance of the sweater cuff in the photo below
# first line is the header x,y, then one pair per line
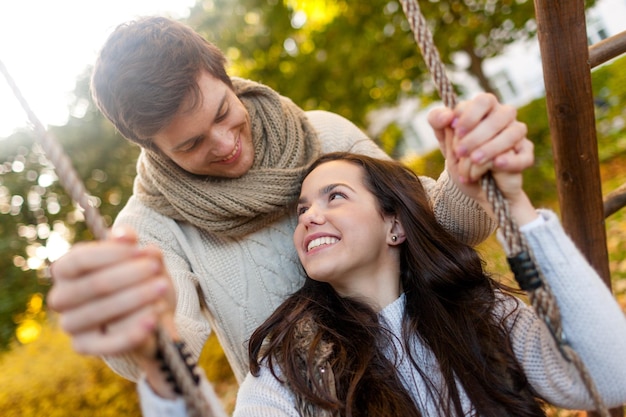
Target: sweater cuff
x,y
535,223
156,406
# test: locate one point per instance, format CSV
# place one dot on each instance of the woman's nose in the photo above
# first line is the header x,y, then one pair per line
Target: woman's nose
x,y
314,216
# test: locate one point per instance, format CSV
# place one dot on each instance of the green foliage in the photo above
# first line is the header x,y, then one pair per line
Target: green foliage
x,y
540,181
390,138
21,223
610,93
47,378
429,165
37,215
353,56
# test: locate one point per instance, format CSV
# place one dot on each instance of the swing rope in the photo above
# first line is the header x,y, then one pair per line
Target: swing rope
x,y
175,361
528,275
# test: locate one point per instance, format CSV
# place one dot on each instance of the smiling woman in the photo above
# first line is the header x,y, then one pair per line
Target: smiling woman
x,y
52,43
395,314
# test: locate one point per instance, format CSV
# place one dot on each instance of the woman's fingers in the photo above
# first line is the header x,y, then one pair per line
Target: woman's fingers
x,y
522,158
495,132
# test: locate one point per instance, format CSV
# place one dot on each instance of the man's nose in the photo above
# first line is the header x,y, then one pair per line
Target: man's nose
x,y
221,140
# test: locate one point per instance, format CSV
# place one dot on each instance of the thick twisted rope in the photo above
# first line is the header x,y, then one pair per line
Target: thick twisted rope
x,y
175,361
528,275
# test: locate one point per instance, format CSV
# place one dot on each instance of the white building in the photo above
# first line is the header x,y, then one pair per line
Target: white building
x,y
516,75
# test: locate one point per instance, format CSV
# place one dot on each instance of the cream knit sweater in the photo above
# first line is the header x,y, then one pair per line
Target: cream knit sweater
x,y
241,281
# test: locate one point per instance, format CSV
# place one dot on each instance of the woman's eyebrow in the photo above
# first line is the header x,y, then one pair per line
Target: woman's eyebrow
x,y
325,190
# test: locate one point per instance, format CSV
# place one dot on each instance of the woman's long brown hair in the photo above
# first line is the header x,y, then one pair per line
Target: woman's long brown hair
x,y
450,305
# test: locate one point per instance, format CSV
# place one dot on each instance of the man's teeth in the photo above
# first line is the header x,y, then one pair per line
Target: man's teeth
x,y
232,153
326,240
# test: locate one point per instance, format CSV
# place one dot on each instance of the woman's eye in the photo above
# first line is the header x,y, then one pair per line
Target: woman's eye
x,y
301,210
335,195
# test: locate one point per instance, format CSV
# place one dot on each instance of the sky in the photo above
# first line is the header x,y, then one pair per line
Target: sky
x,y
46,44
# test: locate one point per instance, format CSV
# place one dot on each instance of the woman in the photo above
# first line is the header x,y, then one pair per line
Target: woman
x,y
398,318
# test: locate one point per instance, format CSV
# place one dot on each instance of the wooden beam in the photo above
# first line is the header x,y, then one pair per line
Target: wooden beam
x,y
615,200
562,37
606,49
567,75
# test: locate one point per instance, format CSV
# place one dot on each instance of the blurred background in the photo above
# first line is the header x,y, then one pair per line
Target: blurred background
x,y
355,58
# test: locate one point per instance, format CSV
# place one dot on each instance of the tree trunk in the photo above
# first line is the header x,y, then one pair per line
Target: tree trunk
x,y
476,69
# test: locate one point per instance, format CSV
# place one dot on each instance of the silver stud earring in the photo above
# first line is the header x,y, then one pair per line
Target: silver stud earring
x,y
394,238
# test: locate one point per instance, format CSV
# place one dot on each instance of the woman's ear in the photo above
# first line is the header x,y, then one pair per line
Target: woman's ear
x,y
396,233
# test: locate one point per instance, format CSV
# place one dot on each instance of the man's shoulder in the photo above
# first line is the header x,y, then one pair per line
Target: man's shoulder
x,y
135,213
325,116
335,132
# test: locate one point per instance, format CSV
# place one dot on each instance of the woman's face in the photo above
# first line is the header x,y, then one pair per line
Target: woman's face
x,y
342,237
214,137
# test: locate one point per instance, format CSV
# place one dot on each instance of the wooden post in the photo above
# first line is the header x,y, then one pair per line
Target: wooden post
x,y
567,75
569,97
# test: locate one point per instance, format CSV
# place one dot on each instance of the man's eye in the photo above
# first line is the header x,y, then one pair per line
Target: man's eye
x,y
192,145
301,210
222,116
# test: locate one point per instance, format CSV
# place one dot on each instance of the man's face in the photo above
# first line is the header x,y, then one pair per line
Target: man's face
x,y
212,138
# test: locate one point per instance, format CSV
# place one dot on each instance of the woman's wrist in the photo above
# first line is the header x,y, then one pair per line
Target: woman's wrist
x,y
156,378
521,209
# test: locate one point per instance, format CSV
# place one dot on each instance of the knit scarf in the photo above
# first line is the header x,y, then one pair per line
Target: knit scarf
x,y
320,375
285,144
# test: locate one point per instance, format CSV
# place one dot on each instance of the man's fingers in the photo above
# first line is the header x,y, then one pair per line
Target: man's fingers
x,y
88,256
67,294
103,310
472,112
478,170
440,120
133,332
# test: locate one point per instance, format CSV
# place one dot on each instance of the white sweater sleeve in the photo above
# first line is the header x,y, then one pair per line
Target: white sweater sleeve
x,y
154,406
592,321
264,396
